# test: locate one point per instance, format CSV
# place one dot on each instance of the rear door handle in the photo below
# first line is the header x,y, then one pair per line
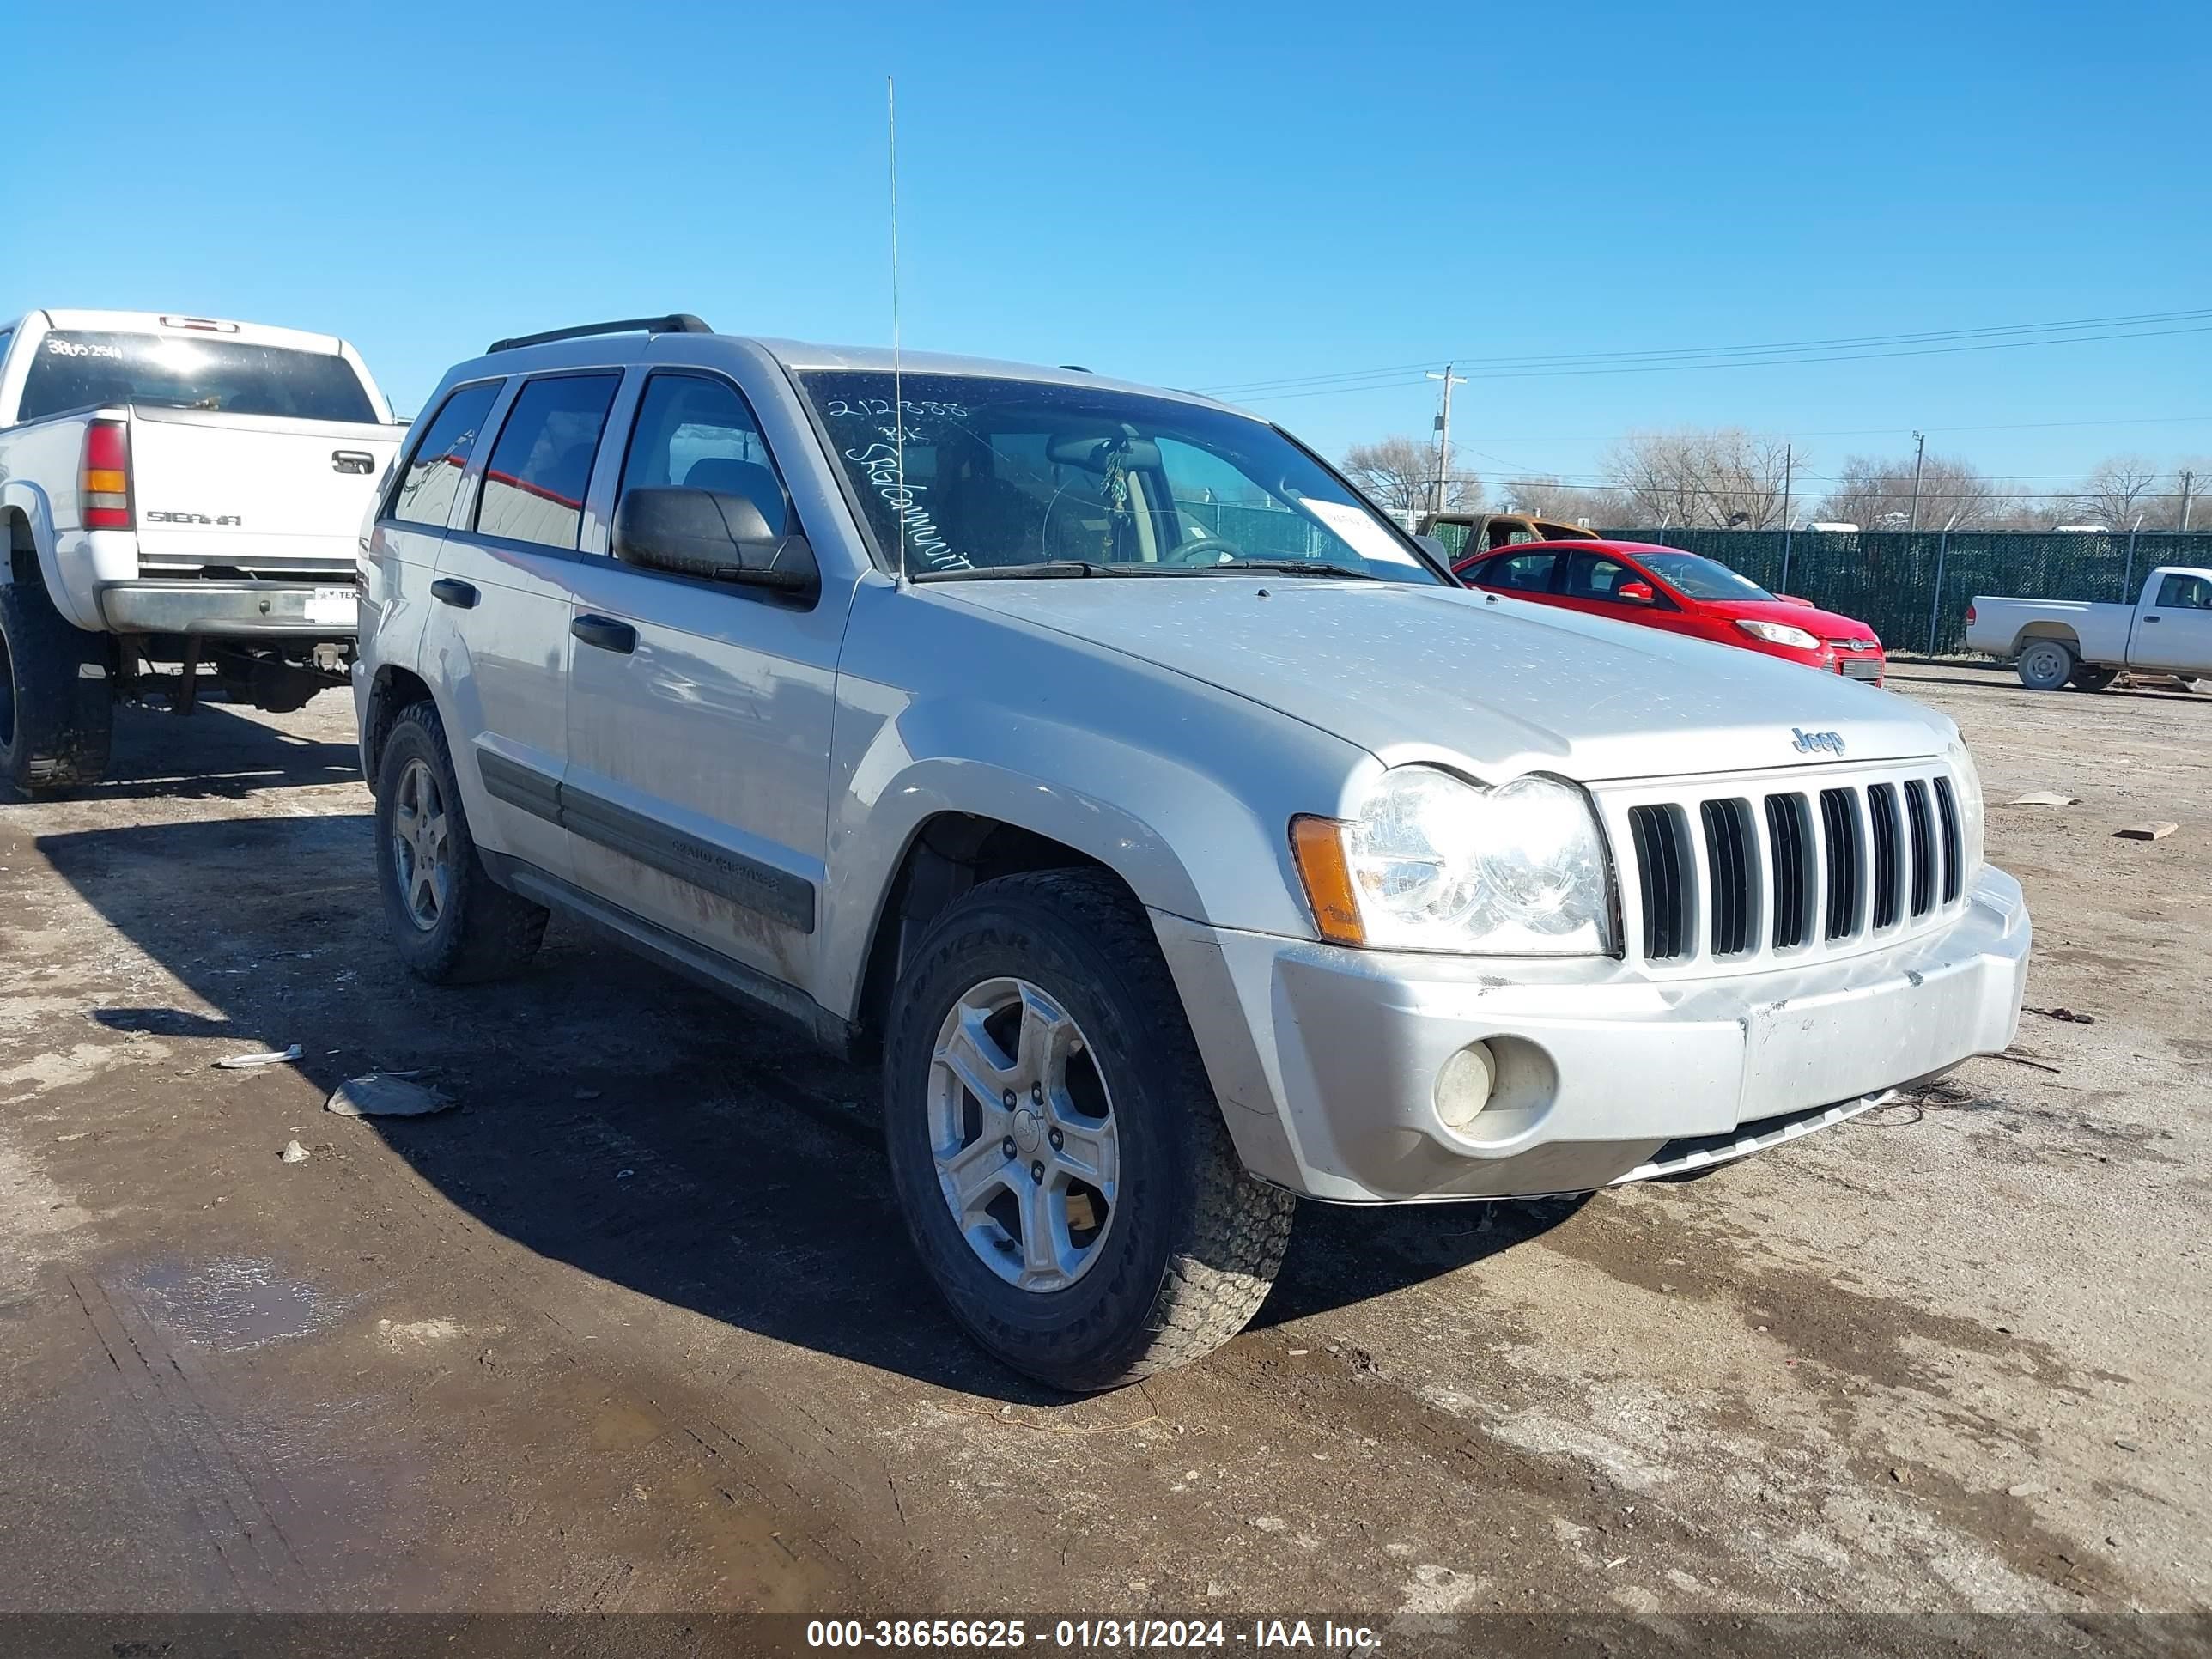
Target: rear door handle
x,y
2150,619
357,461
458,594
605,633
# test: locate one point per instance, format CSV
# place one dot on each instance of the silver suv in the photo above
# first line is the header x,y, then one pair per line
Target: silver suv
x,y
1181,837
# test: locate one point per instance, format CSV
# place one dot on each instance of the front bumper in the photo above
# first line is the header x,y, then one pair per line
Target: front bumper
x,y
233,609
1325,1060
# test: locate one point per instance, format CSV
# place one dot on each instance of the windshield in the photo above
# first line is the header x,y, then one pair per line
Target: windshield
x,y
1702,578
980,474
78,370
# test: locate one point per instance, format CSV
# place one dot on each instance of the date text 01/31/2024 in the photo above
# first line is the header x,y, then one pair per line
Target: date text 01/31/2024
x,y
1079,1635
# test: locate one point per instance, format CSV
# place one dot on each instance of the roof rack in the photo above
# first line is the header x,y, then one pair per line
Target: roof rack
x,y
680,322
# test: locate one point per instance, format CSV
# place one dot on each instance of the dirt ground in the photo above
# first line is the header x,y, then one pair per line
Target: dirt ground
x,y
636,1328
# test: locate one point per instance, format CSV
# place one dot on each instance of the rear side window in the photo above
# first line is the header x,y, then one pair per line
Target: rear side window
x,y
697,432
1519,573
78,368
534,484
425,494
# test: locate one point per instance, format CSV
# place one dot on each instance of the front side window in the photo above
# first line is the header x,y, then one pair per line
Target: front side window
x,y
534,483
425,492
79,368
1594,576
977,474
697,432
2180,592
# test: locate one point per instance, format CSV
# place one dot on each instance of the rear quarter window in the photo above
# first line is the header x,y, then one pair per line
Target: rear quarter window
x,y
426,488
79,368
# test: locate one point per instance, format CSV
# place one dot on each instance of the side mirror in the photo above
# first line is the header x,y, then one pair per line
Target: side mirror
x,y
1636,593
1791,598
1435,549
715,536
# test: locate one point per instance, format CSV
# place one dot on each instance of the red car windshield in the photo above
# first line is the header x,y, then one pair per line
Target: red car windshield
x,y
1701,578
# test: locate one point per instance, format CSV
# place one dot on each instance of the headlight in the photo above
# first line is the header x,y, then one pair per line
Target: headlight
x,y
1434,863
1966,784
1778,634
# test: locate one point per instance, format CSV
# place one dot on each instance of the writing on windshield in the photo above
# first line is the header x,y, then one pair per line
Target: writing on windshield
x,y
973,473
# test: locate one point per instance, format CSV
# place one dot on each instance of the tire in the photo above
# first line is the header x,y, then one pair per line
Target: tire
x,y
1190,1243
57,695
2046,665
475,929
2089,678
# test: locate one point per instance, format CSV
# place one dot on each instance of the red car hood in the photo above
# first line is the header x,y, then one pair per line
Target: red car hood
x,y
1825,623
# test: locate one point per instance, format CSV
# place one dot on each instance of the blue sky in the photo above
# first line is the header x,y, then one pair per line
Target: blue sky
x,y
1200,194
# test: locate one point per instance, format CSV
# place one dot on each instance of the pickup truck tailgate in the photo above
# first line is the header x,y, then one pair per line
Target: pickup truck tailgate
x,y
266,494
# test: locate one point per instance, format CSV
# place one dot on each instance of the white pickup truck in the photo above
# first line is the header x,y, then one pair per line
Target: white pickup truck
x,y
2168,631
180,492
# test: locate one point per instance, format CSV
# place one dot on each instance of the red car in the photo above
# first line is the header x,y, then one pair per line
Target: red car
x,y
1681,592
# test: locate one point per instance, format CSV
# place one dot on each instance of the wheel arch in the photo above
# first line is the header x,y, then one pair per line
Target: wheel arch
x,y
30,526
2060,633
392,691
945,856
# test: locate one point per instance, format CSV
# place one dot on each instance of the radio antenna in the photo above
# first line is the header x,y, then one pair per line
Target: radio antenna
x,y
899,385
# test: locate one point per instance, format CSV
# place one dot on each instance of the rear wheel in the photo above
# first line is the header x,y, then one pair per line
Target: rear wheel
x,y
450,921
1056,1145
57,697
2046,665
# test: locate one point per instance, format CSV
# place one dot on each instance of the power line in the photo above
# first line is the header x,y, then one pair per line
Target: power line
x,y
2141,319
1892,431
1765,362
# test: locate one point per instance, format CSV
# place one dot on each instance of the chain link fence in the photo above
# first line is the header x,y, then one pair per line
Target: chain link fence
x,y
1914,586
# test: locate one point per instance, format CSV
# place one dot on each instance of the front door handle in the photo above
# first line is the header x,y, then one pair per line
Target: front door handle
x,y
2150,619
458,594
605,633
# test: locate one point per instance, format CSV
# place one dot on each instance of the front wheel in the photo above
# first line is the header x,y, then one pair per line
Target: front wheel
x,y
1056,1147
2045,666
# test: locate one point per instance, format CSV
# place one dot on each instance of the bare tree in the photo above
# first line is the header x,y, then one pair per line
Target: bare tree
x,y
1726,477
2122,488
1399,474
1550,498
1876,493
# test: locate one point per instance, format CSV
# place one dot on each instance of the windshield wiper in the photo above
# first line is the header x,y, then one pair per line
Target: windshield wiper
x,y
1041,571
1295,567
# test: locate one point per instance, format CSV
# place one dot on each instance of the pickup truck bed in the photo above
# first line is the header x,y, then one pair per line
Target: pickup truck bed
x,y
179,492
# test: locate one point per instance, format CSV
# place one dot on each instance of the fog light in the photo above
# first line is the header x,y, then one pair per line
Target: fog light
x,y
1463,1086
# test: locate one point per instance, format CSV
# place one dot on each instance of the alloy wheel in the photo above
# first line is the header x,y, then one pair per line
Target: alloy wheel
x,y
421,845
1022,1127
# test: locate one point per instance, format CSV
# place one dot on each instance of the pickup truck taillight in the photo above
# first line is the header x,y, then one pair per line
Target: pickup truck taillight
x,y
1970,615
106,482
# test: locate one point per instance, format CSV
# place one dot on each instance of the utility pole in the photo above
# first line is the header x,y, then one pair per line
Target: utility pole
x,y
1443,434
1788,452
1919,455
2187,478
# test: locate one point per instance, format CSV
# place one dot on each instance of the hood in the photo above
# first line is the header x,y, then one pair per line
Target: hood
x,y
1493,685
1828,624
